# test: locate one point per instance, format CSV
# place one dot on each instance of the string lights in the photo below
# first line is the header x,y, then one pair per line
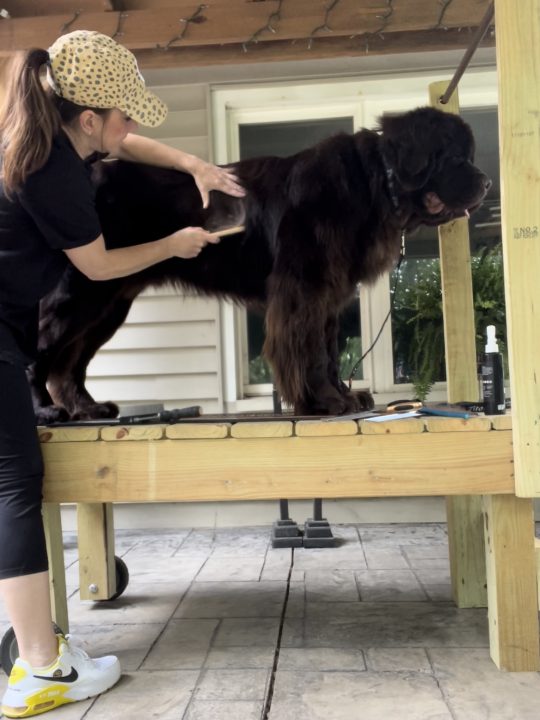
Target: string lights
x,y
118,5
196,19
324,26
378,32
119,28
69,23
268,27
445,4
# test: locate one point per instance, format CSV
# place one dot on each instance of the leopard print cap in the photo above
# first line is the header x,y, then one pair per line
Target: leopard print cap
x,y
93,70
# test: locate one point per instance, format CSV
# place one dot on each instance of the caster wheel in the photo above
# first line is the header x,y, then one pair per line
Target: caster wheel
x,y
9,650
122,577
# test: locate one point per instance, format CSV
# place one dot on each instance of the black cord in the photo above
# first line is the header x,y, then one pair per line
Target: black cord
x,y
392,296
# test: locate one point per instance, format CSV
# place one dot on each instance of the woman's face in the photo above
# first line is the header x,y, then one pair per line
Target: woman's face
x,y
115,125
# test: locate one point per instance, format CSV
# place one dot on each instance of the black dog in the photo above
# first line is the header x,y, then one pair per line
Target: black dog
x,y
317,223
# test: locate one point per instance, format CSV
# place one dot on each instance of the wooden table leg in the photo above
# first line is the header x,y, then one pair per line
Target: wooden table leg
x,y
95,536
464,516
511,576
57,573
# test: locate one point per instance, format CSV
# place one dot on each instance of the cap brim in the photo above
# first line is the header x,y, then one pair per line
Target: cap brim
x,y
145,108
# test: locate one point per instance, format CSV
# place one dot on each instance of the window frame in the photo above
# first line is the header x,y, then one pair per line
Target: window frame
x,y
364,99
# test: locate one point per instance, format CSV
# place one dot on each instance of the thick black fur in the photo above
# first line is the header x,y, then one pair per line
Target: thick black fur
x,y
317,223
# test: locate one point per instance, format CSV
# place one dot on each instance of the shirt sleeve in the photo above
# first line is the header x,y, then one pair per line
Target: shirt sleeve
x,y
60,199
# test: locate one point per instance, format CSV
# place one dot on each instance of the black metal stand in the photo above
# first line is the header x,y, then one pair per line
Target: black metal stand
x,y
317,530
285,532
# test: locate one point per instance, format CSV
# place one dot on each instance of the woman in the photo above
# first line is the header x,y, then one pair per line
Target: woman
x,y
50,134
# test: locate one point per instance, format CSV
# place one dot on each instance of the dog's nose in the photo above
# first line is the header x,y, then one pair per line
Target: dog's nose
x,y
487,183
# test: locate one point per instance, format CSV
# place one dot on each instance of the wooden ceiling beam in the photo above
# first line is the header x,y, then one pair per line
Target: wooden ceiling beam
x,y
34,8
325,48
220,24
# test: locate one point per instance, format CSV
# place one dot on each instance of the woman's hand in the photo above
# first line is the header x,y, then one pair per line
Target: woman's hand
x,y
211,177
188,242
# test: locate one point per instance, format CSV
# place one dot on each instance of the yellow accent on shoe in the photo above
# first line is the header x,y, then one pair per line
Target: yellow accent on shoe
x,y
17,674
40,702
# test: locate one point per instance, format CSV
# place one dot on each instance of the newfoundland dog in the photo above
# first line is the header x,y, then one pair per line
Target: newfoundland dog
x,y
316,224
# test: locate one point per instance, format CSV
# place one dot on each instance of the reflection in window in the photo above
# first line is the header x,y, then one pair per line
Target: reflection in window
x,y
417,320
283,139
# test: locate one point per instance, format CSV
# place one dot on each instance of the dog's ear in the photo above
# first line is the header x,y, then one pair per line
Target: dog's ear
x,y
412,146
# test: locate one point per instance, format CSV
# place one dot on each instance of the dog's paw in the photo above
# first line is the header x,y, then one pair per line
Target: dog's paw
x,y
364,399
49,414
330,402
96,411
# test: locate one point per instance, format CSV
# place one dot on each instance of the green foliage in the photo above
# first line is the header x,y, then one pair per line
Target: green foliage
x,y
421,387
352,352
417,322
418,334
259,371
417,319
489,305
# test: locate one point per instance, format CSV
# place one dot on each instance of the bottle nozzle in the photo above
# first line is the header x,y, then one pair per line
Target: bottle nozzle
x,y
491,345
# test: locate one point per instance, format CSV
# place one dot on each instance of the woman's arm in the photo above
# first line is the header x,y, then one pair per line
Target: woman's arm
x,y
136,148
98,263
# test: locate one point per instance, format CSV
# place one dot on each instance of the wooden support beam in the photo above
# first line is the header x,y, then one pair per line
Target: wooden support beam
x,y
324,47
511,576
456,285
272,468
518,63
95,537
219,24
537,555
34,8
464,514
52,522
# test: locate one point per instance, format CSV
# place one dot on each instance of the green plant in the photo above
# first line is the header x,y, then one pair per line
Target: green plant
x,y
418,335
489,301
259,371
417,318
351,353
422,387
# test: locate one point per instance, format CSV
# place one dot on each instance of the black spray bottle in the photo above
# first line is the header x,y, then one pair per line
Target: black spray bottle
x,y
492,376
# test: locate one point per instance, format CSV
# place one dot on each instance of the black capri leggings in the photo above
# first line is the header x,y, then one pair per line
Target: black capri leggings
x,y
22,539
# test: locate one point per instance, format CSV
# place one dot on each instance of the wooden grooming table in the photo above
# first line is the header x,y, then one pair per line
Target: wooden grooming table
x,y
97,466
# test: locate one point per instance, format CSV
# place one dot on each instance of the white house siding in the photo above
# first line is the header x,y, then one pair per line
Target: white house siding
x,y
168,349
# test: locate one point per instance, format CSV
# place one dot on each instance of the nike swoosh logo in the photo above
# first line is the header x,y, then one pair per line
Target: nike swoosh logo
x,y
73,675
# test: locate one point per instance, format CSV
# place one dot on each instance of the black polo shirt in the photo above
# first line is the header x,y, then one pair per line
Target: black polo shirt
x,y
54,211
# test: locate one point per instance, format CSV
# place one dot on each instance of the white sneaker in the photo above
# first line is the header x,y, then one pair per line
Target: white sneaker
x,y
72,676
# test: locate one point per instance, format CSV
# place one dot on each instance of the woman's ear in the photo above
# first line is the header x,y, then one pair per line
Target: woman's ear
x,y
88,121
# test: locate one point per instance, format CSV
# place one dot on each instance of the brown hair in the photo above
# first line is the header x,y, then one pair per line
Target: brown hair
x,y
30,117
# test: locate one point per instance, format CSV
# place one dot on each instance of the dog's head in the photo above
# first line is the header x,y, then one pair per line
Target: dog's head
x,y
431,154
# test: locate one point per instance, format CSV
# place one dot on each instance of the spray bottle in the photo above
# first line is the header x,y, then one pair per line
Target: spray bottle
x,y
492,376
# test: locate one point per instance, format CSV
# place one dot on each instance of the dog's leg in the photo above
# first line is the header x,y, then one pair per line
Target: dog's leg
x,y
358,400
76,319
67,377
296,347
44,408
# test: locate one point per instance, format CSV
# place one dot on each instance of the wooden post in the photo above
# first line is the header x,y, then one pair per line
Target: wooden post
x,y
463,513
95,536
57,574
518,62
511,573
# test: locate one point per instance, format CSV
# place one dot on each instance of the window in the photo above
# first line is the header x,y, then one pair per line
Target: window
x,y
282,139
417,322
283,117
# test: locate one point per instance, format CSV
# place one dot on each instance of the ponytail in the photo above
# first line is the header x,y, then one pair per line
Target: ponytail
x,y
28,120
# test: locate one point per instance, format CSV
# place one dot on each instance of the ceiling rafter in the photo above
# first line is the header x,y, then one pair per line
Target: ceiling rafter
x,y
222,28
